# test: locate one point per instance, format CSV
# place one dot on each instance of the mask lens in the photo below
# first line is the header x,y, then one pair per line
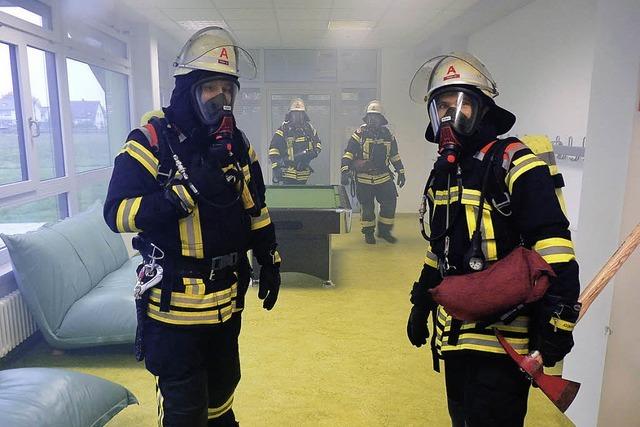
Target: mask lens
x,y
460,108
213,96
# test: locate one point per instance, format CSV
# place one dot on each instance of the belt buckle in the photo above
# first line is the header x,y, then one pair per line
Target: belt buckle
x,y
220,262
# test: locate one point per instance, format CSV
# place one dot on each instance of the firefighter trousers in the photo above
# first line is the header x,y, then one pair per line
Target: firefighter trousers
x,y
386,196
197,370
485,389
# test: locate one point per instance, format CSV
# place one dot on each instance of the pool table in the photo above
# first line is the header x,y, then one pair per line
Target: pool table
x,y
305,217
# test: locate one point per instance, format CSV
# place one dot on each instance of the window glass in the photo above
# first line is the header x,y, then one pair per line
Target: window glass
x,y
97,40
31,11
44,99
99,114
90,193
300,65
13,165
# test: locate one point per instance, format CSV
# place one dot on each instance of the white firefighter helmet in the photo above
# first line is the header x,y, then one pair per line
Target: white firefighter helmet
x,y
455,68
297,104
214,49
374,106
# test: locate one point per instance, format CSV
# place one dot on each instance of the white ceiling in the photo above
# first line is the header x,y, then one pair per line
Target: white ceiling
x,y
304,23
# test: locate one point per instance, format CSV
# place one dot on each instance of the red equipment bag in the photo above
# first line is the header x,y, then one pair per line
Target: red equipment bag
x,y
519,278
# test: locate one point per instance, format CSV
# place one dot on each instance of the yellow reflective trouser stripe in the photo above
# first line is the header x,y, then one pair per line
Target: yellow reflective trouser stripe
x,y
220,410
367,223
193,286
191,235
262,221
431,259
143,156
522,165
126,215
274,152
555,249
388,221
348,155
160,401
184,195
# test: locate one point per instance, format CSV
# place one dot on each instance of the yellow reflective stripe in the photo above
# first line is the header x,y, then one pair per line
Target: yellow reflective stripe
x,y
555,369
253,157
301,139
344,168
471,220
522,165
279,132
489,237
366,178
395,158
565,325
209,317
143,156
347,155
367,223
193,286
319,146
261,221
401,170
356,136
555,249
274,165
184,195
210,300
431,259
387,221
126,214
160,401
191,235
274,152
220,410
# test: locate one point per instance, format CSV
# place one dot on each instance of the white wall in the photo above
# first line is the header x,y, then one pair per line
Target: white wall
x,y
408,121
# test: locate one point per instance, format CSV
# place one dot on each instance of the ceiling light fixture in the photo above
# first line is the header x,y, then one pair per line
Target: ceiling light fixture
x,y
351,25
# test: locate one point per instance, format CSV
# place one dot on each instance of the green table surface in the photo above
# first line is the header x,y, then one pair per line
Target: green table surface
x,y
308,197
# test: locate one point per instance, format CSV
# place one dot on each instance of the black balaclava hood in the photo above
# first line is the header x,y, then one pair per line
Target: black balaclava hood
x,y
181,110
375,120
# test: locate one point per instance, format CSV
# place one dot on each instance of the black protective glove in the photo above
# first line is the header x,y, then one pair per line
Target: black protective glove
x,y
423,303
269,285
303,159
555,321
401,179
180,204
207,177
345,178
276,177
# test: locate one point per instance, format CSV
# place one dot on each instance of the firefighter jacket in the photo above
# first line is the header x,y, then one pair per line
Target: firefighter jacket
x,y
136,202
292,148
536,221
369,152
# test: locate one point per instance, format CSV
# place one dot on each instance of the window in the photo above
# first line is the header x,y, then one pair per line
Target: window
x,y
46,113
90,193
97,40
303,65
31,11
99,114
13,164
29,216
358,66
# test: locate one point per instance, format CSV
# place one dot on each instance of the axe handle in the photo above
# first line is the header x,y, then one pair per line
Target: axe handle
x,y
609,270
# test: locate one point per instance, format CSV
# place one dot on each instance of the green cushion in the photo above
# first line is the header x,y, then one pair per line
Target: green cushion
x,y
55,397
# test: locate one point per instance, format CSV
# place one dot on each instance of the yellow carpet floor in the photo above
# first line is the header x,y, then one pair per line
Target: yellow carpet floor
x,y
322,357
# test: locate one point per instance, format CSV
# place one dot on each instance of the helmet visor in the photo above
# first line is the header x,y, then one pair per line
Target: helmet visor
x,y
212,96
461,108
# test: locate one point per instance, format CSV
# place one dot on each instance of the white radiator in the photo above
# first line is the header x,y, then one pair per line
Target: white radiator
x,y
16,323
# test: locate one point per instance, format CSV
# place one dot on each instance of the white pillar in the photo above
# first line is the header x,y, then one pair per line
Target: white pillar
x,y
146,80
612,106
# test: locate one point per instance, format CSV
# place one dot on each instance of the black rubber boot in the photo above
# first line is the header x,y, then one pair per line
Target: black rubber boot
x,y
368,237
386,235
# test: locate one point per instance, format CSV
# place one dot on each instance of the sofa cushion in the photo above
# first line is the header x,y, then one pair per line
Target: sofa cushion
x,y
94,241
56,397
106,314
49,274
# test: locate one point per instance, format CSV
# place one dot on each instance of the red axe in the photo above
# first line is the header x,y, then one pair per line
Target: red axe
x,y
560,391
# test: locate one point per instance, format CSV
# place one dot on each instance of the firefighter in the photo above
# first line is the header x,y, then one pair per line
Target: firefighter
x,y
293,146
484,386
370,151
190,185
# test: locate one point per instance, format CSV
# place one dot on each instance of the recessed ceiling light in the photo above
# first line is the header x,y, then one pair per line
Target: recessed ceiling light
x,y
351,25
198,25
